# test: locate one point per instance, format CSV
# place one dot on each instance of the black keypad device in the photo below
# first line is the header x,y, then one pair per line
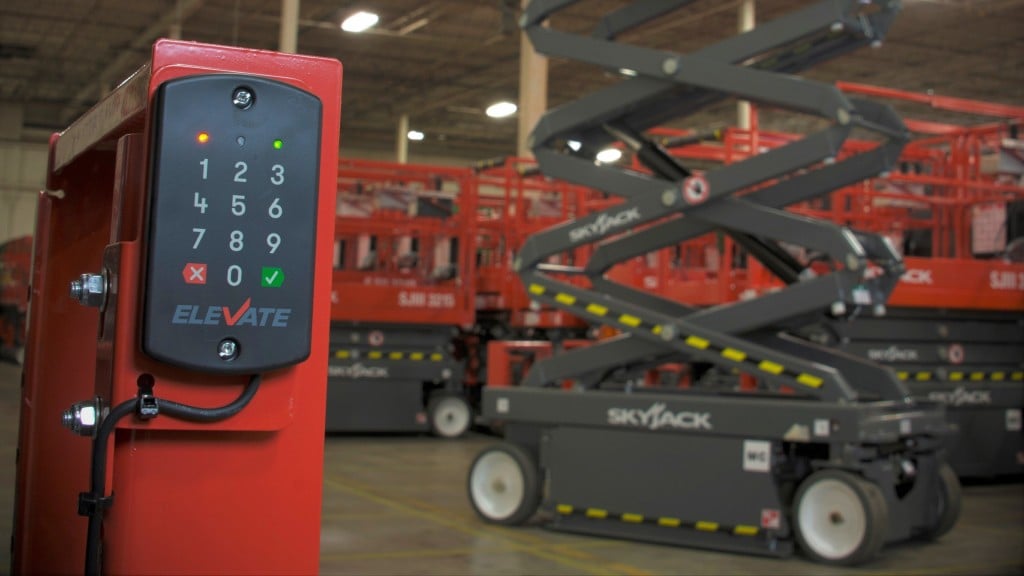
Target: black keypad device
x,y
233,190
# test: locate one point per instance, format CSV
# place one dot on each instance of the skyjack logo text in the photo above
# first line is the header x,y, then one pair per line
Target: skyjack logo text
x,y
892,354
245,315
961,396
603,224
357,371
657,417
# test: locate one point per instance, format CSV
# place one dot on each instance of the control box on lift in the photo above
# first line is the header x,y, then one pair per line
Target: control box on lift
x,y
199,197
232,224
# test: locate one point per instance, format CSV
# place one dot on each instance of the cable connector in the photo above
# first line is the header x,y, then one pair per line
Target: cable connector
x,y
148,407
90,504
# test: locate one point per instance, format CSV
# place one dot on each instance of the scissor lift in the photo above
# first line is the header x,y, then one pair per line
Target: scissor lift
x,y
834,454
515,201
403,291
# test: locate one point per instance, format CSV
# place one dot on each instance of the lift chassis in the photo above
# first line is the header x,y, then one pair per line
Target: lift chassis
x,y
834,454
406,383
722,472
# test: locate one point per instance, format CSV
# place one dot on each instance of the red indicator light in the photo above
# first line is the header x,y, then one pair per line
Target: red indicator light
x,y
203,137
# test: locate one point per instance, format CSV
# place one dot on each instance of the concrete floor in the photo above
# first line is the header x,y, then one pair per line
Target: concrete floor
x,y
397,505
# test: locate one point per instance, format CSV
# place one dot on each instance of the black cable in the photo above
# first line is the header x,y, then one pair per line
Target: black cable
x,y
94,502
197,414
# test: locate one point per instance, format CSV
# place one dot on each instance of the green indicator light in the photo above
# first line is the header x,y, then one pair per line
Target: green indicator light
x,y
278,144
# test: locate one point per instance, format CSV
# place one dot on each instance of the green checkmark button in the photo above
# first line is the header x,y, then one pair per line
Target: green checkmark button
x,y
271,277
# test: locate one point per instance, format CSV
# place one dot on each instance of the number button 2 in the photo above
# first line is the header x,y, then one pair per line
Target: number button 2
x,y
240,169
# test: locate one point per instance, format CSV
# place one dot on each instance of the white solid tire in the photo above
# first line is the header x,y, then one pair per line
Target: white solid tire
x,y
840,518
504,485
450,415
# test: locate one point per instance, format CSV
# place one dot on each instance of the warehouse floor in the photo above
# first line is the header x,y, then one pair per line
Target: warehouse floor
x,y
397,505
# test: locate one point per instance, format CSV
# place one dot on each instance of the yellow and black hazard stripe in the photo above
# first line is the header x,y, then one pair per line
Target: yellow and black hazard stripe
x,y
663,521
737,358
414,356
961,376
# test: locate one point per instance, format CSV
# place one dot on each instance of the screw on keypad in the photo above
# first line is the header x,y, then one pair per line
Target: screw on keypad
x,y
243,98
227,349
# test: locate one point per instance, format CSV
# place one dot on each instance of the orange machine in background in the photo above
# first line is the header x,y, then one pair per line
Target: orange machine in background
x,y
404,285
516,201
15,267
191,211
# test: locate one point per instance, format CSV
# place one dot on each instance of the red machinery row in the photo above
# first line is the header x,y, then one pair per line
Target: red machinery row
x,y
434,308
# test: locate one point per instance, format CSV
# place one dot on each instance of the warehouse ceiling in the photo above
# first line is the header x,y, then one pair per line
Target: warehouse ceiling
x,y
443,61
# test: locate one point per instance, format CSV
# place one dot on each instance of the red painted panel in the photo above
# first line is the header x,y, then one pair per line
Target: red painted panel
x,y
241,496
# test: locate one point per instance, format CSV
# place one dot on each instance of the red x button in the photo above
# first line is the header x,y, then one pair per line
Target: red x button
x,y
194,273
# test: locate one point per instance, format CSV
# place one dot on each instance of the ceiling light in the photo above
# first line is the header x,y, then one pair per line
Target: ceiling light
x,y
609,155
415,135
627,72
360,21
501,109
574,145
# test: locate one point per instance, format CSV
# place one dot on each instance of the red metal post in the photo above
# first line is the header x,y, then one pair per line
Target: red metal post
x,y
240,496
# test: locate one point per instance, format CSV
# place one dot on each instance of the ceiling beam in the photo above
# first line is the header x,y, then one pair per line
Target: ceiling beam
x,y
92,91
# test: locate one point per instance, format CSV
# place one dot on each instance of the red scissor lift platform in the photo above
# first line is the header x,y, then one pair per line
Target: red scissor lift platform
x,y
513,331
402,292
954,327
516,202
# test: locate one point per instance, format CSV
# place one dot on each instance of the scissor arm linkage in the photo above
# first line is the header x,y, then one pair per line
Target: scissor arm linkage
x,y
745,200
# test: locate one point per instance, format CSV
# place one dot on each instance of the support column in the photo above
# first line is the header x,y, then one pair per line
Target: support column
x,y
174,30
533,90
12,120
745,24
402,140
289,38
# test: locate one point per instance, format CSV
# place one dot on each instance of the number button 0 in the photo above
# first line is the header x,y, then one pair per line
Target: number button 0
x,y
234,275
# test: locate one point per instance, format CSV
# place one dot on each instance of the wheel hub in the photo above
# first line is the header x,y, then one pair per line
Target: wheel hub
x,y
497,485
833,519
